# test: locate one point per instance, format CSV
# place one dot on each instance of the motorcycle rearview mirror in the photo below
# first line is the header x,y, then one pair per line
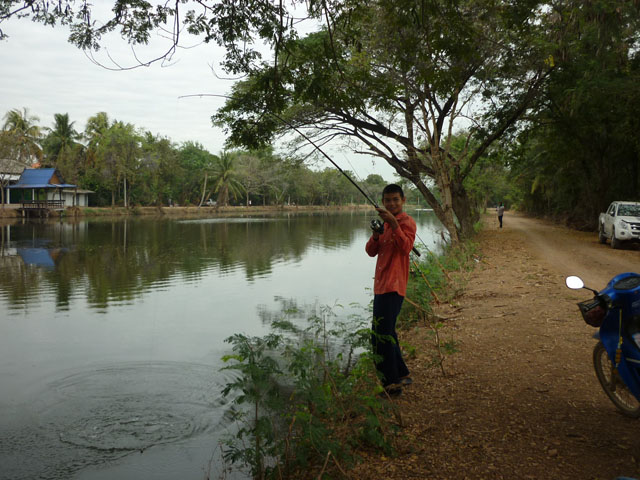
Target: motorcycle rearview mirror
x,y
576,283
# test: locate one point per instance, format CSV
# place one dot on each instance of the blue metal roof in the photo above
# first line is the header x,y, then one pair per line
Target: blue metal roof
x,y
40,178
40,257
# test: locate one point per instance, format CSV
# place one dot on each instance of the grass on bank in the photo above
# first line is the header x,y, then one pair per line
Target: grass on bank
x,y
432,281
306,397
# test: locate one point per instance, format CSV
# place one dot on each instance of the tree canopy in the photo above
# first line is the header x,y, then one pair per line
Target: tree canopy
x,y
397,80
127,165
580,150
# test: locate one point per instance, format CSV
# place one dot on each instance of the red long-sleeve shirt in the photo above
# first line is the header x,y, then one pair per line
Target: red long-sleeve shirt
x,y
393,248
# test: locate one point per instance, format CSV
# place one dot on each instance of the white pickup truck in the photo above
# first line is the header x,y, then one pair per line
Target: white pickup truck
x,y
620,223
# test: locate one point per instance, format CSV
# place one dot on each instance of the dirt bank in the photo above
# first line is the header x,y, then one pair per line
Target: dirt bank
x,y
521,400
11,211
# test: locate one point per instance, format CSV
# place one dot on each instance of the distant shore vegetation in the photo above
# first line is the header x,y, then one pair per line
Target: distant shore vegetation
x,y
126,166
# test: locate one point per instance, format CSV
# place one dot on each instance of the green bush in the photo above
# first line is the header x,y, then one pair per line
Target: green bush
x,y
306,398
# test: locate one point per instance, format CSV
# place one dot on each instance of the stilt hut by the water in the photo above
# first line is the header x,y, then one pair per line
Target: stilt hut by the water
x,y
43,190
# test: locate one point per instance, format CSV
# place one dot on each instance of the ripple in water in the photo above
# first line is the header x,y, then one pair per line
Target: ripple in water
x,y
95,416
133,407
122,426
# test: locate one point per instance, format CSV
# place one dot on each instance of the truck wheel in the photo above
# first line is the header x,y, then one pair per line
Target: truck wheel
x,y
615,243
602,238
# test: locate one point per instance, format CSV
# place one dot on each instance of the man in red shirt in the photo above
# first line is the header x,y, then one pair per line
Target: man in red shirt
x,y
390,285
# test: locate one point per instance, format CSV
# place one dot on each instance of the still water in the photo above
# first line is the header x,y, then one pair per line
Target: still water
x,y
111,331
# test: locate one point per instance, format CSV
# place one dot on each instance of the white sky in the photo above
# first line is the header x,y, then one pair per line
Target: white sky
x,y
41,71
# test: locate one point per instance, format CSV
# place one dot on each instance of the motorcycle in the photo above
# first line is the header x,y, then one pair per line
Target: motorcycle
x,y
615,311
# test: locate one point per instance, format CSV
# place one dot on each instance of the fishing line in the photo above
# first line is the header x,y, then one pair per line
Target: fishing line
x,y
313,144
364,184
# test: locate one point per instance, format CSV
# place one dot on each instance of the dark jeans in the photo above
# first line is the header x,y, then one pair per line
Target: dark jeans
x,y
384,341
500,218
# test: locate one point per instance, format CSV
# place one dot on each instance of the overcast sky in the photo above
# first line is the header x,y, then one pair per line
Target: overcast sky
x,y
41,71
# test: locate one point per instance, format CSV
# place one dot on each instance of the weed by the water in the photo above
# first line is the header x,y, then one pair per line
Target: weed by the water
x,y
436,279
306,398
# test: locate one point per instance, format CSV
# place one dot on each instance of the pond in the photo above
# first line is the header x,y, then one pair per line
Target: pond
x,y
113,331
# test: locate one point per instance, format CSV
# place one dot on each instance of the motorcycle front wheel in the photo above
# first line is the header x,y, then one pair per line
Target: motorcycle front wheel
x,y
613,385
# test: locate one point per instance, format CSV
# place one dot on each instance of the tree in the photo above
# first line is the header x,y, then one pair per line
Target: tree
x,y
160,171
230,24
8,166
253,172
374,184
282,174
195,161
117,155
61,138
225,178
96,127
396,78
62,150
581,148
24,136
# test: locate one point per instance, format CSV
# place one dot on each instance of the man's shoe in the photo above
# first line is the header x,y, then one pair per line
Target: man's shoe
x,y
406,381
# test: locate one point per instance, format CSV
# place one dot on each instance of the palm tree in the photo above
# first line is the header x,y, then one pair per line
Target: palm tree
x,y
62,137
94,132
25,135
225,179
96,127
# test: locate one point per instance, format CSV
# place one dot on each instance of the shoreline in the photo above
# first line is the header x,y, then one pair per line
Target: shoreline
x,y
12,213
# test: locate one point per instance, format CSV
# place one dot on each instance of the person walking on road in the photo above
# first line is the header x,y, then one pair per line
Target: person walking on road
x,y
500,211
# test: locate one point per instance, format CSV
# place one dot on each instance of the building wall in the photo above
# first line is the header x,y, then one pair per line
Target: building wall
x,y
82,198
16,196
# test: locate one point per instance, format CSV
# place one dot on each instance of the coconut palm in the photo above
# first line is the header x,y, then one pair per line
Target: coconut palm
x,y
96,127
25,135
94,133
62,137
225,178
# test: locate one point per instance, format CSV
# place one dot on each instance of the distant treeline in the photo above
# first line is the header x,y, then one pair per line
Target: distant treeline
x,y
125,165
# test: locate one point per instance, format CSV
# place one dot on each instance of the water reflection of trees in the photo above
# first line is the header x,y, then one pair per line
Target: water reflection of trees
x,y
110,261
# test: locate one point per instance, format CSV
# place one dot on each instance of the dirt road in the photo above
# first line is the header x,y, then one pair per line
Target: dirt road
x,y
521,400
578,253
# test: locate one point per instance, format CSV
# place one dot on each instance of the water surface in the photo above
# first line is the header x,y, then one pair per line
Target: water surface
x,y
112,331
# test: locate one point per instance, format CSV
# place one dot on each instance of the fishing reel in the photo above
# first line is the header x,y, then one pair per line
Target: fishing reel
x,y
377,226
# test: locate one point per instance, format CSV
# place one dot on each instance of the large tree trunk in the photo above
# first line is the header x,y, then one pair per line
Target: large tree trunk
x,y
443,213
466,215
223,196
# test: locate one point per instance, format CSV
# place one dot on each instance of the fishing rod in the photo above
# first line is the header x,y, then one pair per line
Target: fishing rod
x,y
377,226
293,127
